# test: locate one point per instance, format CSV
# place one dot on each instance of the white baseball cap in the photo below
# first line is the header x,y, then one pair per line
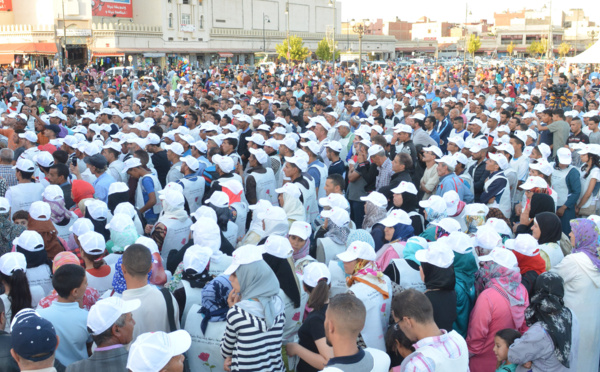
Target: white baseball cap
x,y
93,243
244,255
376,198
487,237
197,258
97,208
506,147
437,254
40,211
435,202
451,198
500,160
219,199
404,186
300,229
461,158
524,243
131,163
278,246
290,188
403,128
395,217
173,198
478,145
81,226
564,156
591,148
335,201
458,141
260,155
4,205
30,241
44,158
289,142
151,351
120,222
358,249
104,313
436,150
298,161
29,136
12,261
191,162
314,272
503,257
449,160
256,138
24,165
313,146
374,150
176,147
273,213
534,181
417,116
542,166
338,216
334,146
448,224
53,193
459,242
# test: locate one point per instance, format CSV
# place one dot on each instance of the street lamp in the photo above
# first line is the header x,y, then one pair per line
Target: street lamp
x,y
467,13
287,35
267,20
360,28
332,4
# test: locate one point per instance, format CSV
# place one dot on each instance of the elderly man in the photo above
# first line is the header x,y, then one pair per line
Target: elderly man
x,y
384,166
450,181
111,325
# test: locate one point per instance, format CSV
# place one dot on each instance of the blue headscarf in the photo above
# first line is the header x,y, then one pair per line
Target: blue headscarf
x,y
414,244
360,235
214,301
434,216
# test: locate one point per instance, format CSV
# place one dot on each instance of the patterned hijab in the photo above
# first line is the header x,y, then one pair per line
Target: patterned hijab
x,y
214,301
367,272
360,235
547,307
586,239
58,210
339,234
373,215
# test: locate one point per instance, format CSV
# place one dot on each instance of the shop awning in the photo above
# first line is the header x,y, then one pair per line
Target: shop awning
x,y
96,54
6,59
226,55
154,55
28,48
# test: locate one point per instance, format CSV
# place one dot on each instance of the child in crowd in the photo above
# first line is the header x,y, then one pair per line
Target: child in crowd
x,y
21,218
504,338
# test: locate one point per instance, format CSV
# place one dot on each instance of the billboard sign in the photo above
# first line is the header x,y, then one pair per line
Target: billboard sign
x,y
111,8
5,5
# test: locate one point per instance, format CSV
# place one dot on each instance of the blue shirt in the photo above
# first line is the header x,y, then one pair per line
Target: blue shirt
x,y
314,172
147,189
70,323
453,182
101,185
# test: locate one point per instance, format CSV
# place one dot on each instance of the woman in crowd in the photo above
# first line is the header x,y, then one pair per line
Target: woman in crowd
x,y
375,211
465,267
397,226
172,230
253,336
501,304
531,263
274,222
405,272
31,244
289,200
255,232
17,294
312,346
581,274
219,201
552,341
536,203
80,227
547,230
434,211
97,212
122,234
8,229
590,175
206,324
195,275
81,191
367,282
138,218
299,237
437,273
405,198
60,216
99,273
39,221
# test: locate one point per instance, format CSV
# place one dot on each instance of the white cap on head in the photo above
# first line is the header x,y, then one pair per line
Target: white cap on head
x,y
437,254
243,255
503,257
152,351
356,250
376,198
300,229
315,272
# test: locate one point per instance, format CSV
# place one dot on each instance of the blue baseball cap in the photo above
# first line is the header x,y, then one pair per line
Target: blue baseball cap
x,y
33,337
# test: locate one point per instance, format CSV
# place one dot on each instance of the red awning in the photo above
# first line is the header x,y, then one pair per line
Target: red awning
x,y
226,55
28,48
7,59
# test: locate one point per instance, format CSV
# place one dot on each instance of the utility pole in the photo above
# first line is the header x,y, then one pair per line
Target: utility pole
x,y
287,35
550,36
332,3
265,19
65,59
360,29
466,33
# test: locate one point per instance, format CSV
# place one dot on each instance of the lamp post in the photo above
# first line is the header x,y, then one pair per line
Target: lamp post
x,y
467,13
287,32
360,28
267,20
65,59
332,4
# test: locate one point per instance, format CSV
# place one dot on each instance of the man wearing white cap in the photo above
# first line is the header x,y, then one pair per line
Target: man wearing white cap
x,y
566,181
146,193
26,191
174,152
260,180
448,180
111,324
159,352
294,168
193,185
496,188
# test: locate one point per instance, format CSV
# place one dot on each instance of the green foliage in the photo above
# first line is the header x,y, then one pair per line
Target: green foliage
x,y
323,51
473,44
564,48
510,48
298,52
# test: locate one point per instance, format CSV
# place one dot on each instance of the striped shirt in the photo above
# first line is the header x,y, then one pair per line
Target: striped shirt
x,y
450,350
251,345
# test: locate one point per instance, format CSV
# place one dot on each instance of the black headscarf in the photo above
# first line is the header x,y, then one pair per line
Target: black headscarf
x,y
223,215
116,199
438,278
541,203
196,279
547,307
35,259
288,281
409,202
550,227
99,225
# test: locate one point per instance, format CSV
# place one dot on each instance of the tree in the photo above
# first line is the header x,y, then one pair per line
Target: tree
x,y
473,44
543,47
510,48
533,48
564,48
323,51
298,52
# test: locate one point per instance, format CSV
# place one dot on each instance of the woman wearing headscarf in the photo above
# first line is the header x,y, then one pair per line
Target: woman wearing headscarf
x,y
80,192
118,193
590,174
138,218
39,221
405,198
255,232
60,216
396,227
8,229
538,203
274,222
375,211
405,272
206,324
172,230
289,200
253,336
552,341
465,267
548,232
437,273
99,274
531,263
278,255
91,294
580,271
195,275
371,286
122,234
435,211
97,212
501,304
219,202
299,237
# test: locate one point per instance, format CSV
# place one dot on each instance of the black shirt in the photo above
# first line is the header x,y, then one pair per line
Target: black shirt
x,y
337,168
444,307
311,330
162,166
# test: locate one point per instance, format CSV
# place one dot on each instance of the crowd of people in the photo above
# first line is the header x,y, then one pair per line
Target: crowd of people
x,y
407,218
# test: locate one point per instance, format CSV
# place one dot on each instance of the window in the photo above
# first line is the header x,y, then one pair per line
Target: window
x,y
170,20
201,25
186,19
186,2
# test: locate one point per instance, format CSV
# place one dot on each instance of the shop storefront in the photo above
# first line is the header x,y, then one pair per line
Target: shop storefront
x,y
28,55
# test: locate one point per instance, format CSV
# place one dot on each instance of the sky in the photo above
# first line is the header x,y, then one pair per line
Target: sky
x,y
454,10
